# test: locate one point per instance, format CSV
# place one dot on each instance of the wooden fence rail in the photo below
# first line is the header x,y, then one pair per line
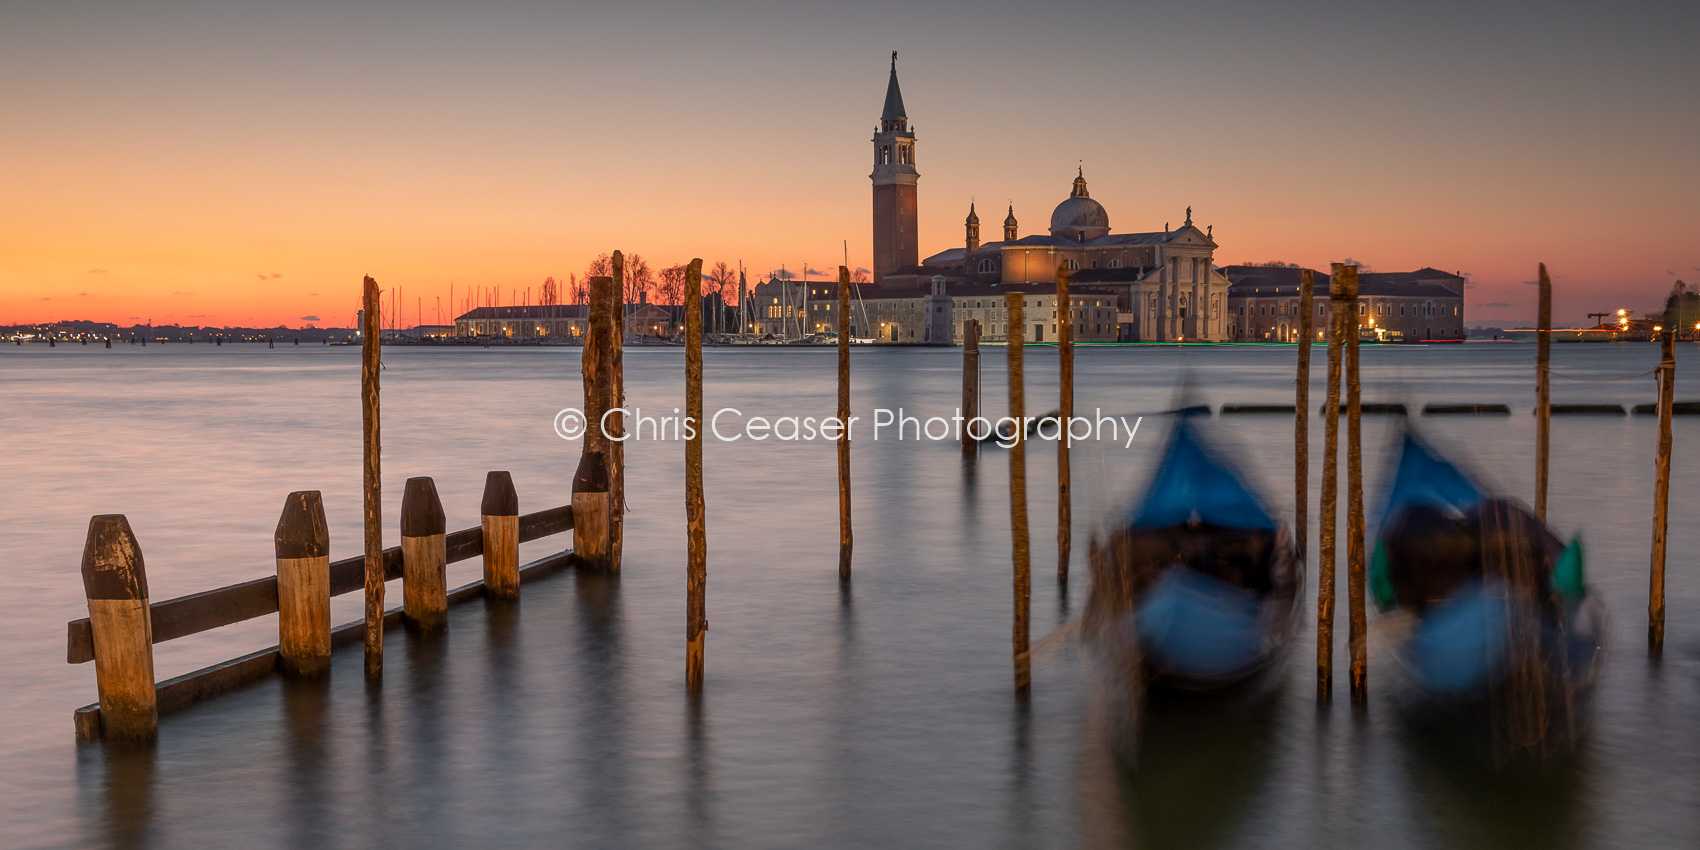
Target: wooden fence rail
x,y
211,609
224,606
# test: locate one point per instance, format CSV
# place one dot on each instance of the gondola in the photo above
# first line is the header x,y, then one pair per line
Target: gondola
x,y
1497,614
1199,586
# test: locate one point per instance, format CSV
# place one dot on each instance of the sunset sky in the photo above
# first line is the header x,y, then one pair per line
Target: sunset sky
x,y
245,163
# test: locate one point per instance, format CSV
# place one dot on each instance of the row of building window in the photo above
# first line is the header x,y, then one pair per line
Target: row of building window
x,y
1381,309
987,266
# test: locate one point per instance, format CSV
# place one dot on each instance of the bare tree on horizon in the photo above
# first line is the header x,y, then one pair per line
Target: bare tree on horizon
x,y
722,276
639,278
670,289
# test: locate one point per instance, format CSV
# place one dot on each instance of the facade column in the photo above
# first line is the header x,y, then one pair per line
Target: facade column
x,y
1174,323
1200,314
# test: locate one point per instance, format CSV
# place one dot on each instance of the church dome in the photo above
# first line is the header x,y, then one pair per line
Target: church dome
x,y
1079,217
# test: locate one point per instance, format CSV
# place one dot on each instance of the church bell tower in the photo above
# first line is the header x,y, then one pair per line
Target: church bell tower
x,y
896,212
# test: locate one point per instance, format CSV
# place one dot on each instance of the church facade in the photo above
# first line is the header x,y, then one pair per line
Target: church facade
x,y
1164,283
1149,286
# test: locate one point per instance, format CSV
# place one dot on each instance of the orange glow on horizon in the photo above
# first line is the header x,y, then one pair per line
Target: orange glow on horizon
x,y
250,174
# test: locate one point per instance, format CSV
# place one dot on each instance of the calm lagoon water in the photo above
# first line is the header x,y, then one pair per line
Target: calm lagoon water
x,y
878,714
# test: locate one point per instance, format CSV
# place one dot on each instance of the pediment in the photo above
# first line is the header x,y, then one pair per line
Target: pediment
x,y
1190,235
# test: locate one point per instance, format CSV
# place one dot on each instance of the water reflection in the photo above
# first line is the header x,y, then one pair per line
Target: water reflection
x,y
699,792
1021,824
1201,763
600,681
1175,770
1474,800
126,804
306,708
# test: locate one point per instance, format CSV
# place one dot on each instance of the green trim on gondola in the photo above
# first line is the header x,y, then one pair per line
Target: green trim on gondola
x,y
1381,578
1567,578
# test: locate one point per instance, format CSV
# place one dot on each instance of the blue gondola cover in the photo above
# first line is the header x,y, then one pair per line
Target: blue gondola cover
x,y
1191,484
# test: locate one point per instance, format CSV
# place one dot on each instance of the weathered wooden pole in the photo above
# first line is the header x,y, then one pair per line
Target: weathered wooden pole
x,y
303,547
1661,494
1340,312
116,584
1355,494
1301,417
1065,413
1543,393
592,511
696,520
970,384
846,540
424,557
371,332
617,422
499,519
1013,303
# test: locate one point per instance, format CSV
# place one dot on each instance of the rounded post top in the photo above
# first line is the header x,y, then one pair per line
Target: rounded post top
x,y
592,474
112,560
301,529
500,498
421,510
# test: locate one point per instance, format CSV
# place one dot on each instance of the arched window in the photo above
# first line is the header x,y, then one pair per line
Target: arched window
x,y
988,266
1115,264
1071,265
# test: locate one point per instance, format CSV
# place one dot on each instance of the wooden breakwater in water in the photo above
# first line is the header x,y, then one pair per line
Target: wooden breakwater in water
x,y
121,642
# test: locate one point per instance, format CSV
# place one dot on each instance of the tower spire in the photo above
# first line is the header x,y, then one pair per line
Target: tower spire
x,y
896,224
893,110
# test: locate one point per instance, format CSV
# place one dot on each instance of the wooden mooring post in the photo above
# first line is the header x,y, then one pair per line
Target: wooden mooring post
x,y
1543,393
1301,417
696,520
116,584
499,520
846,539
593,507
1661,494
1340,312
371,333
303,547
1065,415
1358,627
970,384
616,450
424,557
1013,304
592,511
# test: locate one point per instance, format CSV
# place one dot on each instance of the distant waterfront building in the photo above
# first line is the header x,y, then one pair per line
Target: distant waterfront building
x,y
935,313
1426,305
776,308
549,320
